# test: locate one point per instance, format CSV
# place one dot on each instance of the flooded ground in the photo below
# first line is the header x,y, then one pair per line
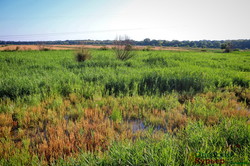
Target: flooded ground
x,y
140,125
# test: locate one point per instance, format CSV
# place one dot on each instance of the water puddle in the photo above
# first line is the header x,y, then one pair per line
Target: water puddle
x,y
139,125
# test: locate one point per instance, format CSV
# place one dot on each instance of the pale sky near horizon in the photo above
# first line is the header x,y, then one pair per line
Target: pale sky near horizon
x,y
32,20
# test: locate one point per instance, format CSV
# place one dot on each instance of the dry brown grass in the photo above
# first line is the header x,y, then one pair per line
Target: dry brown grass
x,y
61,127
176,120
61,131
73,47
236,113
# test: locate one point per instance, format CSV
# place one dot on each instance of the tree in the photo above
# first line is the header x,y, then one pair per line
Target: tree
x,y
154,43
146,41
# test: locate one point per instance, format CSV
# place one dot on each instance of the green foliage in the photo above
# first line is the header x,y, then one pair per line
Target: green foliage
x,y
38,87
116,115
155,83
54,72
143,152
242,44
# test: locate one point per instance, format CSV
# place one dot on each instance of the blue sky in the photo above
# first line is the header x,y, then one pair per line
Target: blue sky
x,y
105,19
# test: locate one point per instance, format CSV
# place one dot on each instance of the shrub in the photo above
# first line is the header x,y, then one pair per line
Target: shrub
x,y
123,48
46,49
104,48
43,48
17,48
83,54
227,46
148,48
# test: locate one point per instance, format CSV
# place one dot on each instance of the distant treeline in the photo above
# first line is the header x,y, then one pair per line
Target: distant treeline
x,y
241,44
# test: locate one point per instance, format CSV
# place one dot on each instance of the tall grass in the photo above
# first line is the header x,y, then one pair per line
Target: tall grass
x,y
33,72
55,110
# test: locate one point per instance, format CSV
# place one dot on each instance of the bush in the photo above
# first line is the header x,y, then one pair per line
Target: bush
x,y
104,48
236,49
148,48
123,48
227,46
43,48
83,54
17,48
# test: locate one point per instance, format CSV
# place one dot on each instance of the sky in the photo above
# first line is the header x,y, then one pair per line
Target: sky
x,y
33,20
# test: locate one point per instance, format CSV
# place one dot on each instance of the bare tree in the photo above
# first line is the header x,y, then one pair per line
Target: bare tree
x,y
123,48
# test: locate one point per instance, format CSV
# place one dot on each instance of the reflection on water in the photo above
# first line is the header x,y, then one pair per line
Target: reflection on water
x,y
139,125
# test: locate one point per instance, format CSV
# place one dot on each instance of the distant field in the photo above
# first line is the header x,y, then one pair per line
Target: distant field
x,y
70,47
161,107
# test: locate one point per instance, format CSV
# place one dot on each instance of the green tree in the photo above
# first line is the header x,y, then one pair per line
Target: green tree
x,y
146,41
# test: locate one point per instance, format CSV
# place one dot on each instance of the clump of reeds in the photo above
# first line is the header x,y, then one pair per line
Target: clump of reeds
x,y
123,48
82,54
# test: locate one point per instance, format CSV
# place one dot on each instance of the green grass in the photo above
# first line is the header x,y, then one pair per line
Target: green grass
x,y
55,110
157,72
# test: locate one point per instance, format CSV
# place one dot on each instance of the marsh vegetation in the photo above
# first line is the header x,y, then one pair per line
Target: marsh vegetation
x,y
155,108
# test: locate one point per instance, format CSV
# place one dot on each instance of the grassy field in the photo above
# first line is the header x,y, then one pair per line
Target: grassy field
x,y
157,108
